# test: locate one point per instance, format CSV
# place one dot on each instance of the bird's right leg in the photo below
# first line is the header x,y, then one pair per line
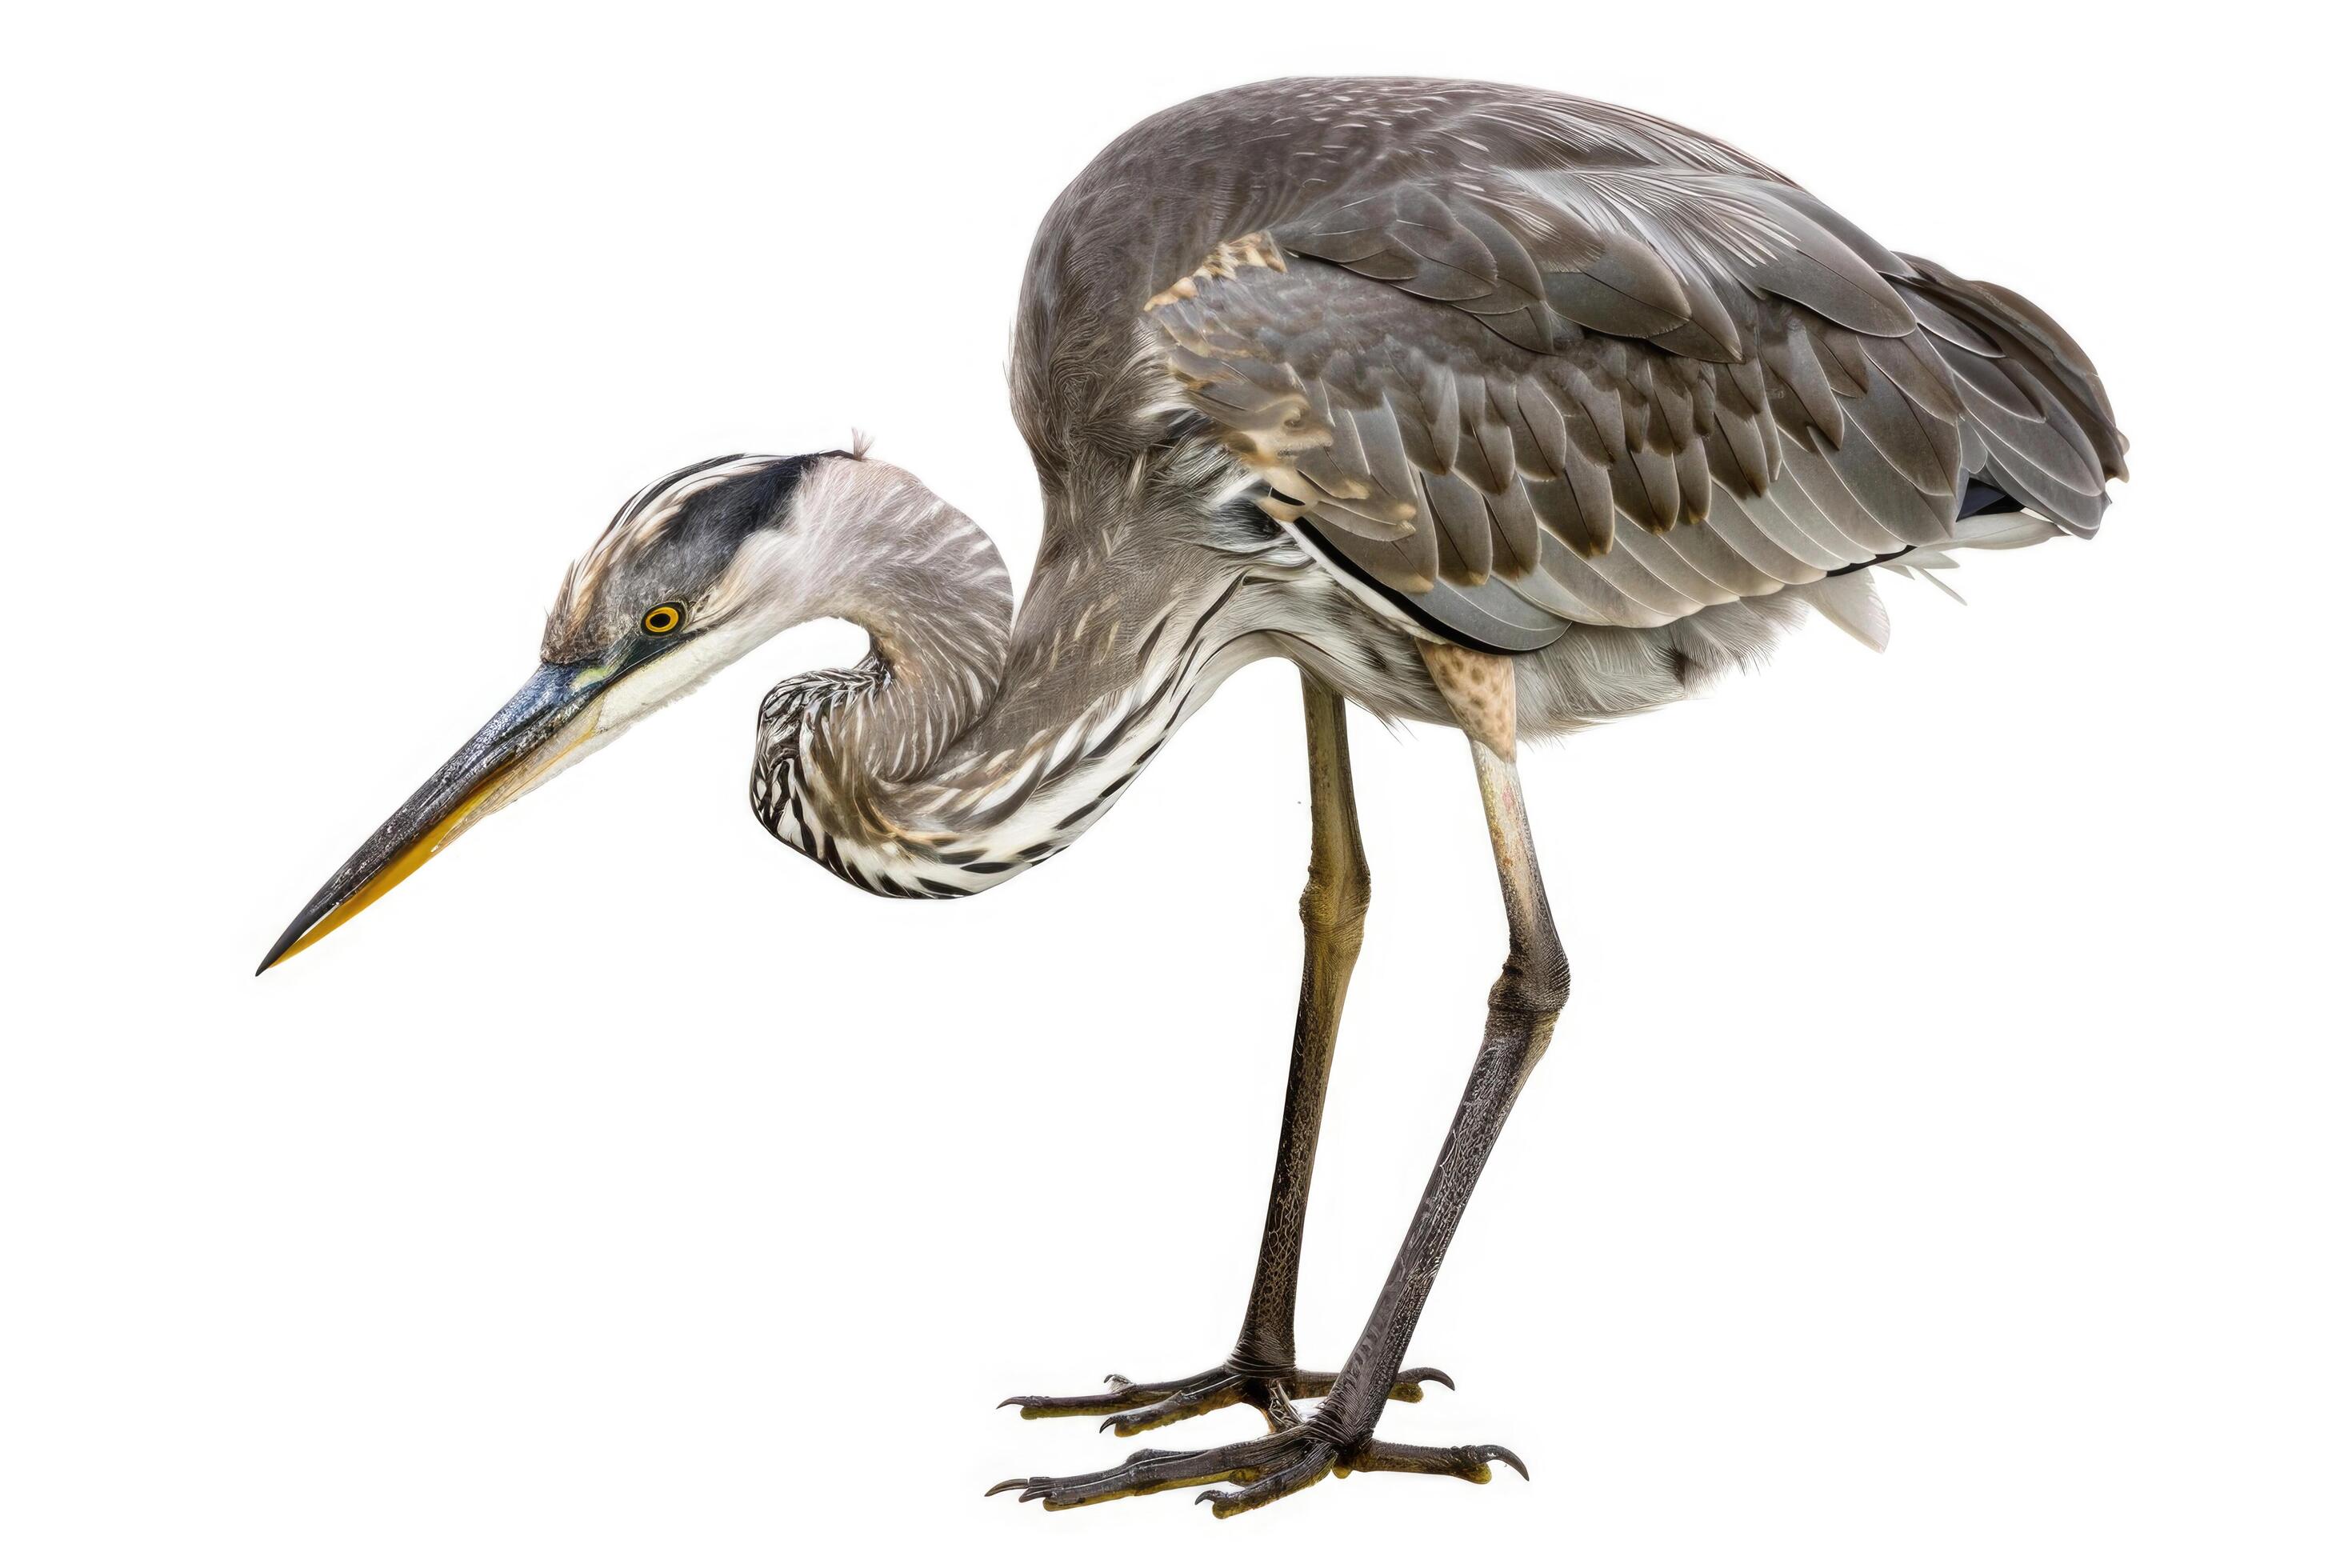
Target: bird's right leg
x,y
1262,1369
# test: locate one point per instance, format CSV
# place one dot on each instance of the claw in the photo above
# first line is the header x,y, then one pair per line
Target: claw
x,y
1129,1408
1008,1486
1497,1451
1405,1389
1264,1470
1119,1393
1467,1463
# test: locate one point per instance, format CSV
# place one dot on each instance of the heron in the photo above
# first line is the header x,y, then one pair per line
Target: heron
x,y
1487,408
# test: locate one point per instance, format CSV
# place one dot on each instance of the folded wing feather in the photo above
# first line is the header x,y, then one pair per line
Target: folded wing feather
x,y
1614,395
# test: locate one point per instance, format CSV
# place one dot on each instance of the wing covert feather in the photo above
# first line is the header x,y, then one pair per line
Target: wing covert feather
x,y
1617,395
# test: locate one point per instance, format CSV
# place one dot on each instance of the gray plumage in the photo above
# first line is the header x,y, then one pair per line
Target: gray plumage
x,y
1329,370
1320,368
1526,362
1485,406
1332,371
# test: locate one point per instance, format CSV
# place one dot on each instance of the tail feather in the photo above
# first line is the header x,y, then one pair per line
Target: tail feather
x,y
2039,447
2032,351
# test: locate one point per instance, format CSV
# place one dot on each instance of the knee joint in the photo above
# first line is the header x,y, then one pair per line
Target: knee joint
x,y
1533,982
1335,903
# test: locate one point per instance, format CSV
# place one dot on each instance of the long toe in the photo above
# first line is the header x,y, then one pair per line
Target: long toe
x,y
1262,1471
1196,1399
1132,1408
1406,1390
1139,1407
1154,1469
1119,1393
1296,1476
1469,1462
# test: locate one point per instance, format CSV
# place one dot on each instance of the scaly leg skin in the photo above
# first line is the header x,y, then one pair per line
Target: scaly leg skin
x,y
1521,1009
1273,1467
1129,1407
1263,1371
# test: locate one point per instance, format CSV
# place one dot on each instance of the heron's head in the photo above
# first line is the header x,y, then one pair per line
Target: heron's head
x,y
695,570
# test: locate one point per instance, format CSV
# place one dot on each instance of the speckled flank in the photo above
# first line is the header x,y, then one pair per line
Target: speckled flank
x,y
1481,690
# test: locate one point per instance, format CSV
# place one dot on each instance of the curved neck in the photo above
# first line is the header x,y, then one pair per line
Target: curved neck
x,y
952,759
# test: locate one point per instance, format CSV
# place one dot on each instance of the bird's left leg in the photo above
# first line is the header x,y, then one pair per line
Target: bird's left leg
x,y
1520,1012
1263,1369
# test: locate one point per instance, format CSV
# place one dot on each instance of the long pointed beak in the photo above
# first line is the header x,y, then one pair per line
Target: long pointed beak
x,y
525,741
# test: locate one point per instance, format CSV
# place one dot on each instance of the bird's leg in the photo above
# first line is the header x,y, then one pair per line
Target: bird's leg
x,y
1520,1012
1262,1369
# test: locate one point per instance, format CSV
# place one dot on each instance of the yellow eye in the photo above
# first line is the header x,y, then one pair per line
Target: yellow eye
x,y
664,619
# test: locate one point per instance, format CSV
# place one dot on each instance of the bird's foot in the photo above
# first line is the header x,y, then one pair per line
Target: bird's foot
x,y
1268,1468
1128,1408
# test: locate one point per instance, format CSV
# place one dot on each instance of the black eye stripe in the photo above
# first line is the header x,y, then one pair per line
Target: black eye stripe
x,y
663,619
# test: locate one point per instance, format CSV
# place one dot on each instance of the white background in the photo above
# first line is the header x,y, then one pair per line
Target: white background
x,y
1944,1159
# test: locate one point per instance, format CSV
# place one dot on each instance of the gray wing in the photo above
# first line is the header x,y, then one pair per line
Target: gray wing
x,y
1617,395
